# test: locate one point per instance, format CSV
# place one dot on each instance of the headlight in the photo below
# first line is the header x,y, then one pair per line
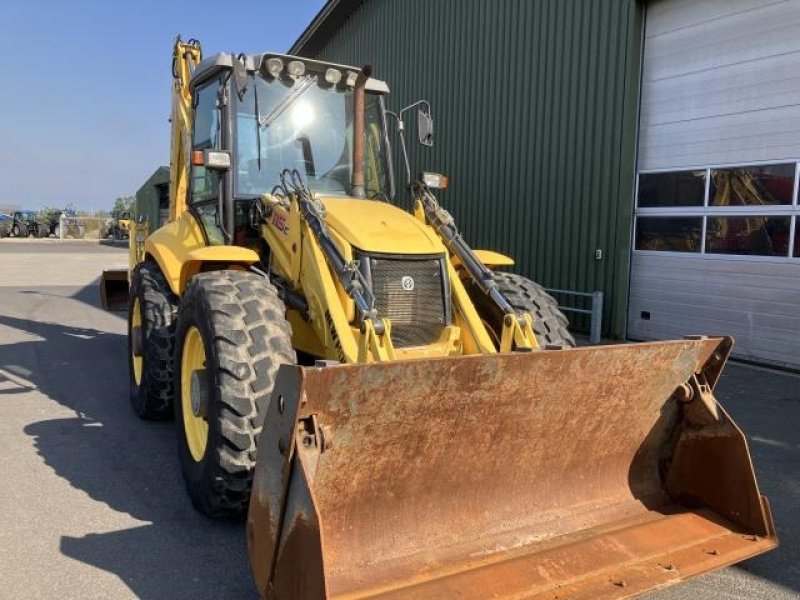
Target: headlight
x,y
274,66
435,180
296,68
333,76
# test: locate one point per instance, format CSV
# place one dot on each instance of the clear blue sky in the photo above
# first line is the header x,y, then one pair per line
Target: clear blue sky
x,y
86,93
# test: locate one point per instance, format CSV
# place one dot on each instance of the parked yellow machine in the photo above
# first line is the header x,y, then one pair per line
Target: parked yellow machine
x,y
402,420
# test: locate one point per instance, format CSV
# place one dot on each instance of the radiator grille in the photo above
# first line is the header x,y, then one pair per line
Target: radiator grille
x,y
411,294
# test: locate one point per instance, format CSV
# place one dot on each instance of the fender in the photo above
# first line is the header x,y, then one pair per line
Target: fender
x,y
180,250
488,257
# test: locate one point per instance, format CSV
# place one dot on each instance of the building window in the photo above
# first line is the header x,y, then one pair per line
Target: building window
x,y
767,185
163,196
676,234
748,210
753,235
796,252
681,188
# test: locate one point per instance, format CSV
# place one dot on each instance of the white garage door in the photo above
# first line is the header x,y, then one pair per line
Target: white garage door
x,y
717,247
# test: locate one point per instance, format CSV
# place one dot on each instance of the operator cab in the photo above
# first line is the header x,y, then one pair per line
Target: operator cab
x,y
270,112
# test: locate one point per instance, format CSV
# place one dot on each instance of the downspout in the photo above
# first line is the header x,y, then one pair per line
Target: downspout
x,y
357,183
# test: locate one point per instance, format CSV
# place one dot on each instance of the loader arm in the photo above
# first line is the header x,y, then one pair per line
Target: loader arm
x,y
374,340
517,333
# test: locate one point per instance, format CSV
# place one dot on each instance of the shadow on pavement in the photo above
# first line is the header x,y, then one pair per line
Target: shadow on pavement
x,y
89,294
127,464
114,243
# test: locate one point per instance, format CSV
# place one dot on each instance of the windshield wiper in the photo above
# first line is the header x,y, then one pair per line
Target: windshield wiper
x,y
299,90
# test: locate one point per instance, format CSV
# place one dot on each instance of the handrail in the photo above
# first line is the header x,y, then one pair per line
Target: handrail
x,y
596,312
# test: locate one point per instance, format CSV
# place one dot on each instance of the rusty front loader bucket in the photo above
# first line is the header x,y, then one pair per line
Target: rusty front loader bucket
x,y
114,290
584,473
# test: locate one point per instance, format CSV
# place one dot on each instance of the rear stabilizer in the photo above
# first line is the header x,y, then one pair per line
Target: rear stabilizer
x,y
595,472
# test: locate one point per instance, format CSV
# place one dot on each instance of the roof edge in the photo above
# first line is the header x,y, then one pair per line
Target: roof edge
x,y
328,19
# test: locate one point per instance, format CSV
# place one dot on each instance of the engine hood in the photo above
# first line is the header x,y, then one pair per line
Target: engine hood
x,y
375,226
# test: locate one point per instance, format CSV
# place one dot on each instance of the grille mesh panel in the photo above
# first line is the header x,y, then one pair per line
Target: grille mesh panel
x,y
417,315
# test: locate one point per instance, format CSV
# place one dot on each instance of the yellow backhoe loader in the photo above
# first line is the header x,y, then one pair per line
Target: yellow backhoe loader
x,y
398,417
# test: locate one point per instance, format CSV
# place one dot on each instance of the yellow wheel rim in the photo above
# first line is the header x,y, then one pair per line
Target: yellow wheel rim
x,y
195,427
136,361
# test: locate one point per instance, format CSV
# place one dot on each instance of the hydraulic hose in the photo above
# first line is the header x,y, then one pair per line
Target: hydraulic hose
x,y
347,272
444,224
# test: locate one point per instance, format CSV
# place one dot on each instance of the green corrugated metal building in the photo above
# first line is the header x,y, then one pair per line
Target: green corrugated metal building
x,y
152,199
535,106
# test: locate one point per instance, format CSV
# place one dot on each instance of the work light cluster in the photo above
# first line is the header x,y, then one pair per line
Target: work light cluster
x,y
274,66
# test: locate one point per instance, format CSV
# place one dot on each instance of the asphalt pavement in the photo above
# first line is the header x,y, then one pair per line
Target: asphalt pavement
x,y
93,504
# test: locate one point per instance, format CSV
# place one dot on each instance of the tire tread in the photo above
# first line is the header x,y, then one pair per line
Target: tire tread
x,y
159,310
549,323
251,340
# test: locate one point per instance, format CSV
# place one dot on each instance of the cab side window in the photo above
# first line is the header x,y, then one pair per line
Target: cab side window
x,y
206,136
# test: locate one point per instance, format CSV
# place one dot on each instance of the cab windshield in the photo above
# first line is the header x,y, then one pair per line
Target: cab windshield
x,y
305,124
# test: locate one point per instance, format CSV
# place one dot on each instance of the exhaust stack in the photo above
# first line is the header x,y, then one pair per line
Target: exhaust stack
x,y
357,187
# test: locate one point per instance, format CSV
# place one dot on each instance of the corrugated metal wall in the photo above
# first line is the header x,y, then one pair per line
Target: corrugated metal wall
x,y
535,108
147,203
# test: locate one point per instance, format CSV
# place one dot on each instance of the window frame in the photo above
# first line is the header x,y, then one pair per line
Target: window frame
x,y
219,203
682,252
388,159
218,81
706,211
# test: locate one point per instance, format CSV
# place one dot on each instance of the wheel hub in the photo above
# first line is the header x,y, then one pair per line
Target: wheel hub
x,y
198,391
136,341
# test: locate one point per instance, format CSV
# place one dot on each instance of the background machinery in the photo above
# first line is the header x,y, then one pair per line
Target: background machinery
x,y
119,228
401,419
24,224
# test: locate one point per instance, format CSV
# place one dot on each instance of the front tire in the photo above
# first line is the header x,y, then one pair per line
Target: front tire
x,y
232,338
525,295
151,350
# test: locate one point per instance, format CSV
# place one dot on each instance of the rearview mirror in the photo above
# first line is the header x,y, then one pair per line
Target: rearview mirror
x,y
425,127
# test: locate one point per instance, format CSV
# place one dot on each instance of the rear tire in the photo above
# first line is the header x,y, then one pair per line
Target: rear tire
x,y
549,323
150,295
15,231
245,339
